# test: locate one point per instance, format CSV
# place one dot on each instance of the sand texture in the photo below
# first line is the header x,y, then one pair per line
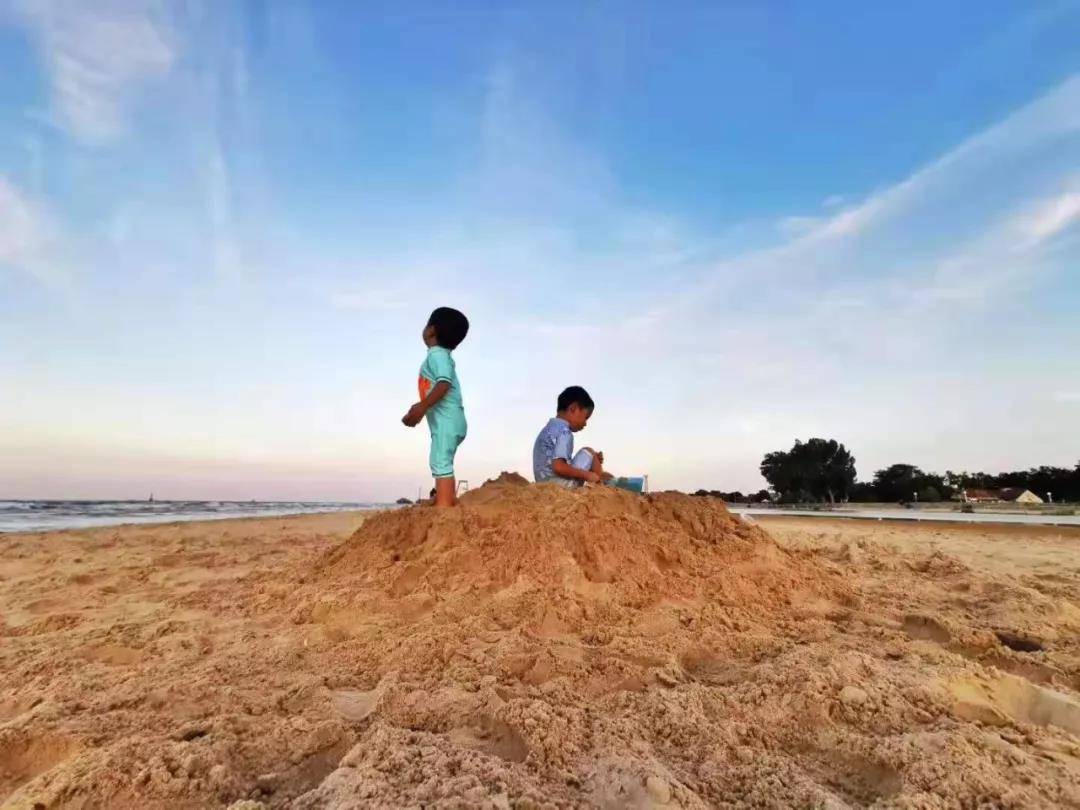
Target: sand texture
x,y
539,647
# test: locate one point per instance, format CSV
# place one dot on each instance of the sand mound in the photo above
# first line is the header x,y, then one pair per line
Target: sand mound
x,y
512,545
501,633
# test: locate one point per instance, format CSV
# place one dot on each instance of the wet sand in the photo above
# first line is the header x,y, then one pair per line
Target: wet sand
x,y
213,664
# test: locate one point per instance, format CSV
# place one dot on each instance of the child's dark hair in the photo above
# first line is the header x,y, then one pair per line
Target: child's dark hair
x,y
450,325
575,395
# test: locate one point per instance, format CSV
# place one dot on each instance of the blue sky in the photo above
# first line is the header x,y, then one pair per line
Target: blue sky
x,y
222,226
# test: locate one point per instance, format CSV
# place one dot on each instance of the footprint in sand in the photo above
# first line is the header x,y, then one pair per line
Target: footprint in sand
x,y
708,667
38,607
927,628
494,737
357,705
23,760
11,708
1018,642
1002,700
352,704
856,778
112,654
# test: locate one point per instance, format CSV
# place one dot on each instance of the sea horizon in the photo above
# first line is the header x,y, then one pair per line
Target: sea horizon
x,y
52,514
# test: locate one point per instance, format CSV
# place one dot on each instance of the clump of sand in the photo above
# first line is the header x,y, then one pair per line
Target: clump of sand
x,y
508,478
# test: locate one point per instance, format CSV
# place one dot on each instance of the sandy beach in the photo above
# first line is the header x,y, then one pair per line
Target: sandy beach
x,y
538,647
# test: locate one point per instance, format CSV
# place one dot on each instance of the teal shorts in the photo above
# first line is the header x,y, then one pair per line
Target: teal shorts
x,y
444,445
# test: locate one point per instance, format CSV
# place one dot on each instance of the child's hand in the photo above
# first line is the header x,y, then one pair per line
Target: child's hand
x,y
414,415
592,478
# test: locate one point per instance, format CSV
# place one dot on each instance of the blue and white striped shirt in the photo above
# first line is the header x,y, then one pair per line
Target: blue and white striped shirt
x,y
555,441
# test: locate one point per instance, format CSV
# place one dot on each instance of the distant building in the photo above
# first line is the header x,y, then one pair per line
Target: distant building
x,y
980,495
1019,495
1008,495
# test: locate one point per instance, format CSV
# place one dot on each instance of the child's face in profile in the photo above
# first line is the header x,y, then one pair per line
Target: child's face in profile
x,y
577,417
428,336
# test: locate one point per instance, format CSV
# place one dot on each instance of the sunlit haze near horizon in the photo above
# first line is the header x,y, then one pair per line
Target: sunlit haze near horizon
x,y
223,226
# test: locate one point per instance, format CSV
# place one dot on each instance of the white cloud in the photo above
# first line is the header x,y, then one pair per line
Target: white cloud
x,y
529,168
795,226
97,55
20,224
1051,217
226,253
100,56
1054,115
28,242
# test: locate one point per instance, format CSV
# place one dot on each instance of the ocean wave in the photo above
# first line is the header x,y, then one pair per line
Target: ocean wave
x,y
34,516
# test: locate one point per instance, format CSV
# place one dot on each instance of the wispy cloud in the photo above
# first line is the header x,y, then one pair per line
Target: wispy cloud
x,y
914,230
98,55
102,60
529,166
1054,115
799,225
227,258
1051,217
28,240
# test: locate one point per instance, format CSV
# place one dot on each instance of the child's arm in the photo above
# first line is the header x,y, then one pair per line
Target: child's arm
x,y
417,411
564,469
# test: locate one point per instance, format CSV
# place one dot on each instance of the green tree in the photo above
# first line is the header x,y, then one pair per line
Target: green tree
x,y
929,494
897,482
818,469
783,475
863,492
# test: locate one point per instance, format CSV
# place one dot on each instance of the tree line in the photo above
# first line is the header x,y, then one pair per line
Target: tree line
x,y
823,470
761,496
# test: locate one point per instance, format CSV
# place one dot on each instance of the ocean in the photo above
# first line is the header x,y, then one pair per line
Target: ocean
x,y
37,516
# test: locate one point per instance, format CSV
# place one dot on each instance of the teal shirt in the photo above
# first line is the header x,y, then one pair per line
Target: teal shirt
x,y
448,414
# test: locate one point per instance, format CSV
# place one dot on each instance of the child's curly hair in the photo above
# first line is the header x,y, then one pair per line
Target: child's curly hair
x,y
451,327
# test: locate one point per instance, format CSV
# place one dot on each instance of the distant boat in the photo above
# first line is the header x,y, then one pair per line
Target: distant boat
x,y
151,498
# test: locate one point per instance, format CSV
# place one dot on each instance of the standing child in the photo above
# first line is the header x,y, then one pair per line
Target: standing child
x,y
440,399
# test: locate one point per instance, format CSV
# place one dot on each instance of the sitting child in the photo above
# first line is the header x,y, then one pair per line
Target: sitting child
x,y
553,452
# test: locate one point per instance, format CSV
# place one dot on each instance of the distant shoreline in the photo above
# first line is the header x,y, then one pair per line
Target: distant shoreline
x,y
1057,509
1044,515
34,517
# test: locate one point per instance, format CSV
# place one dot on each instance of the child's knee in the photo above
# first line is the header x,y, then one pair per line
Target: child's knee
x,y
582,460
